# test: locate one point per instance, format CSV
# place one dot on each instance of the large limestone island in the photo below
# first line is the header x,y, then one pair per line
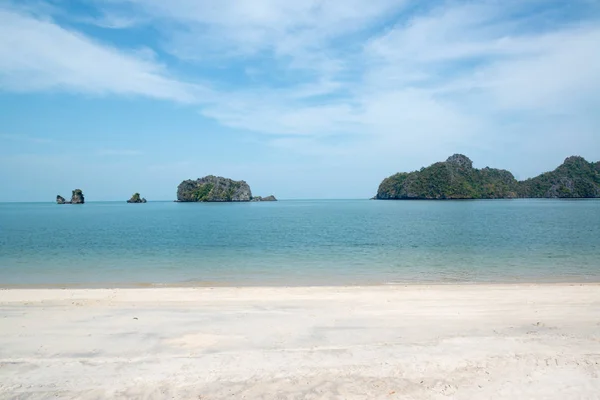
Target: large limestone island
x,y
216,189
136,198
76,198
457,179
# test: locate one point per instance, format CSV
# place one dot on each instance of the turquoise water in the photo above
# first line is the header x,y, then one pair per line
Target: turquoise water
x,y
300,242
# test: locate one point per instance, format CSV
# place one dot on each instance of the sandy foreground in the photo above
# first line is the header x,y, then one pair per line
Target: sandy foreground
x,y
386,342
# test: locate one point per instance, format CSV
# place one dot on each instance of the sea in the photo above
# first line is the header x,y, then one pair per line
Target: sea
x,y
299,242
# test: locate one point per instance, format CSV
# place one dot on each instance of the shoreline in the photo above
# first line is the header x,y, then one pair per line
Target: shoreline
x,y
225,285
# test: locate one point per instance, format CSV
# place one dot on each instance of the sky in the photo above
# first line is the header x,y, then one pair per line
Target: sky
x,y
301,99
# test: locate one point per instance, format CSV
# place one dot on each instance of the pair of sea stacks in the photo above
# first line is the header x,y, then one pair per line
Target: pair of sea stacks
x,y
76,198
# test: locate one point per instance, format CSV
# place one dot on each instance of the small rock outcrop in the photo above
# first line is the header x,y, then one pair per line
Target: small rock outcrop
x,y
76,198
213,189
260,198
136,199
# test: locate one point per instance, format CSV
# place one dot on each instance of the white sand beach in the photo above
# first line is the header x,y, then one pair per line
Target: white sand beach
x,y
383,342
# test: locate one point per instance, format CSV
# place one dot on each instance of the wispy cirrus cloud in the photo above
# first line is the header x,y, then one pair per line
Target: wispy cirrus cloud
x,y
25,138
387,79
453,76
37,54
110,20
249,27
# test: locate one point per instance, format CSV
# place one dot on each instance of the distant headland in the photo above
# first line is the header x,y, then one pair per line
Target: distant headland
x,y
456,178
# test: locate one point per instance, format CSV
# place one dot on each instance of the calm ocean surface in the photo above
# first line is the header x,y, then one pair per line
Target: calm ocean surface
x,y
315,242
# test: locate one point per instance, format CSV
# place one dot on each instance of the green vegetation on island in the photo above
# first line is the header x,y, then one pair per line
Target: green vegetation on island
x,y
457,179
136,198
575,178
216,189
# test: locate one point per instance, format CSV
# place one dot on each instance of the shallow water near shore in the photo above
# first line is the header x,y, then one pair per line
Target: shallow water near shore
x,y
296,243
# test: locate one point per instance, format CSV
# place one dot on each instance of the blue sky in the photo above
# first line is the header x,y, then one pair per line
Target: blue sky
x,y
302,99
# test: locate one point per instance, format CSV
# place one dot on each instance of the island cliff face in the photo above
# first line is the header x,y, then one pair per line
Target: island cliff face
x,y
213,189
457,179
76,198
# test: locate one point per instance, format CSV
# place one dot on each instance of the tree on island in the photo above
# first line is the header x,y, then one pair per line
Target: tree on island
x,y
136,198
456,178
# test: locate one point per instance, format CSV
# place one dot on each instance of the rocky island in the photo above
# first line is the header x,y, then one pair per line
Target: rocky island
x,y
76,198
216,189
136,199
456,178
268,198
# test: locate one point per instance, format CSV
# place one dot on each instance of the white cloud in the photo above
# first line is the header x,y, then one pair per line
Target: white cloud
x,y
384,80
37,54
443,80
562,77
25,138
112,21
250,26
